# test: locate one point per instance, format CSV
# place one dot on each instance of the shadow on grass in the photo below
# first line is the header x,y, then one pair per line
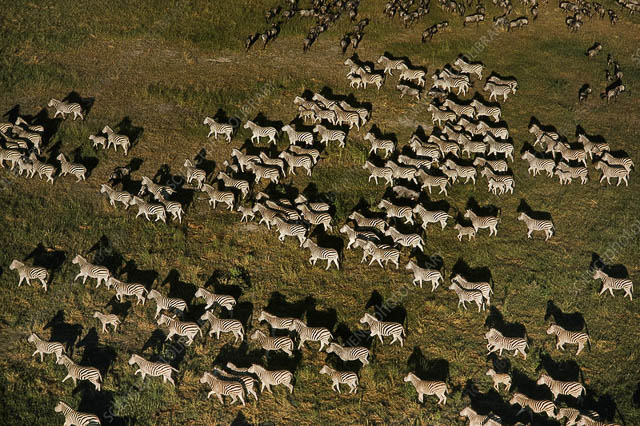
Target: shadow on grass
x,y
64,332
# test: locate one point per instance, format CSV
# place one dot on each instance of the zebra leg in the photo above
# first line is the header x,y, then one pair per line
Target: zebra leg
x,y
222,400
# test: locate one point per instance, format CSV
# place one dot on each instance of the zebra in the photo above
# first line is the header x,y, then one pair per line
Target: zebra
x,y
482,110
321,253
312,334
106,319
381,253
28,273
589,420
504,180
290,229
232,388
385,173
429,181
426,387
408,91
610,283
612,91
349,353
352,234
625,162
221,128
73,417
33,128
277,162
153,369
183,329
239,184
247,213
149,209
365,222
469,68
273,343
557,387
445,146
502,186
193,173
411,74
341,377
424,274
539,164
499,378
609,172
571,154
370,78
89,270
467,172
275,322
217,196
330,135
127,289
44,347
239,375
166,303
264,172
351,118
481,222
11,155
568,337
575,172
303,103
537,131
243,159
399,172
498,342
268,214
591,147
380,328
441,115
77,372
295,136
227,302
404,192
429,150
476,419
43,169
78,170
355,80
317,97
362,112
496,165
287,212
468,295
98,140
33,137
400,212
492,132
405,240
122,196
116,140
64,108
294,161
316,218
158,191
270,378
388,146
496,90
470,146
418,163
482,286
544,225
316,206
313,153
460,110
511,82
390,64
469,231
261,132
320,114
537,406
223,326
564,176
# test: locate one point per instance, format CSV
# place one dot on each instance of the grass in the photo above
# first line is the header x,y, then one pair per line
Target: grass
x,y
167,65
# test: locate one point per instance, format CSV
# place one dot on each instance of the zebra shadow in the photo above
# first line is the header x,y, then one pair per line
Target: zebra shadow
x,y
50,125
572,322
241,356
313,195
524,207
326,240
350,338
96,354
479,274
49,258
508,329
327,318
460,219
225,283
178,288
241,420
566,370
604,405
423,260
432,205
614,271
522,383
85,103
135,275
279,306
105,254
102,404
635,398
163,176
428,369
126,127
64,332
499,365
387,311
489,402
595,138
489,210
121,309
545,128
200,161
262,120
155,342
89,162
171,352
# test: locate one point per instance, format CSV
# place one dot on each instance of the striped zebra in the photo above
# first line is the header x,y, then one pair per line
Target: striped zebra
x,y
116,140
365,222
404,192
295,161
275,322
507,180
258,132
543,225
625,162
425,150
320,114
405,240
194,173
239,375
316,218
575,172
569,154
264,172
376,172
460,110
149,209
5,127
166,303
122,196
34,138
43,169
351,118
64,108
107,319
588,420
287,229
470,146
313,153
362,112
537,406
400,212
321,253
469,68
352,234
441,115
476,419
496,90
270,378
591,147
77,372
388,146
127,289
370,78
501,186
400,172
459,83
275,162
492,132
239,184
499,378
445,146
173,207
408,91
564,176
417,163
498,342
330,135
227,302
247,213
326,103
98,140
390,64
33,128
244,160
568,337
424,274
223,326
315,206
268,214
511,82
158,191
217,196
295,136
216,128
539,164
482,222
413,75
303,103
78,170
273,343
466,172
28,273
611,283
427,387
341,377
75,418
10,155
282,206
609,172
468,295
232,388
89,270
482,110
310,334
557,387
380,254
180,328
482,286
431,216
469,231
383,329
44,347
153,369
429,181
349,353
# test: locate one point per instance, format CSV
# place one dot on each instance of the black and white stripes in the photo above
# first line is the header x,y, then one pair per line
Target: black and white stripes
x,y
28,273
76,418
153,369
